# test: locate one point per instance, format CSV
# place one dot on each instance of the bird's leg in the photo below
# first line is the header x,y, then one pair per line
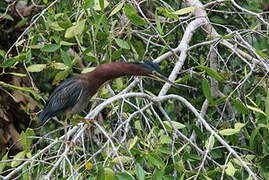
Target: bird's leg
x,y
65,129
87,121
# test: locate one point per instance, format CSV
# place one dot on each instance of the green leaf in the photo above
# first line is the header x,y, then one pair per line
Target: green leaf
x,y
207,90
3,164
124,176
28,56
164,139
20,89
21,23
88,4
155,160
167,13
140,174
62,75
50,47
86,70
158,24
59,66
55,26
65,43
17,162
228,132
109,174
26,174
17,74
6,16
184,10
131,14
132,142
267,106
158,174
88,165
261,53
226,37
98,7
265,163
176,124
76,29
230,170
66,59
36,67
10,62
101,3
100,173
211,73
218,101
239,126
122,159
211,140
116,9
255,109
25,140
239,106
121,43
2,53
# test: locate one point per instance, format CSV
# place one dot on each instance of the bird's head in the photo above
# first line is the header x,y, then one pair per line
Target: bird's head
x,y
155,71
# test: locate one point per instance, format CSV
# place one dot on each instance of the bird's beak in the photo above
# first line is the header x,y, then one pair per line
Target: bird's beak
x,y
160,77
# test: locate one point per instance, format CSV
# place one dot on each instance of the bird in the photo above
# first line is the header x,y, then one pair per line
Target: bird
x,y
72,95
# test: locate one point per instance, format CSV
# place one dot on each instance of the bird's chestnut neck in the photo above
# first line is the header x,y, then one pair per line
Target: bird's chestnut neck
x,y
114,70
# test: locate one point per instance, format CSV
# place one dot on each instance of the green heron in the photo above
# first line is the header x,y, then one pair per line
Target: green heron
x,y
72,95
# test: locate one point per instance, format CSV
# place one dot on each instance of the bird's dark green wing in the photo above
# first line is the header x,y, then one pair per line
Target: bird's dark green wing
x,y
64,97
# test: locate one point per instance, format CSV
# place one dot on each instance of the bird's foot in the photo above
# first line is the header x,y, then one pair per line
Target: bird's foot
x,y
87,121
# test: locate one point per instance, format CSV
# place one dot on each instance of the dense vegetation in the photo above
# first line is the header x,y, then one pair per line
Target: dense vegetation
x,y
142,128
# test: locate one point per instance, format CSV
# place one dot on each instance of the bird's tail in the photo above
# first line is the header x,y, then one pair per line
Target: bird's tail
x,y
44,116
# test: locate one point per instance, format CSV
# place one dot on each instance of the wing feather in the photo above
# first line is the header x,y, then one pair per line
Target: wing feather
x,y
63,98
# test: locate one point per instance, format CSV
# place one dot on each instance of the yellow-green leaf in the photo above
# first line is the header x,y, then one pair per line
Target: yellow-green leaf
x,y
17,74
88,165
121,43
164,139
109,174
122,159
256,109
210,142
228,132
3,164
132,15
20,89
36,67
50,47
230,170
97,5
238,126
60,66
76,29
116,9
17,162
184,10
240,106
26,141
65,43
207,90
211,73
132,143
86,70
177,125
55,26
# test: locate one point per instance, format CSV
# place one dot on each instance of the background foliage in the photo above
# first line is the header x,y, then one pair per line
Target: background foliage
x,y
43,42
